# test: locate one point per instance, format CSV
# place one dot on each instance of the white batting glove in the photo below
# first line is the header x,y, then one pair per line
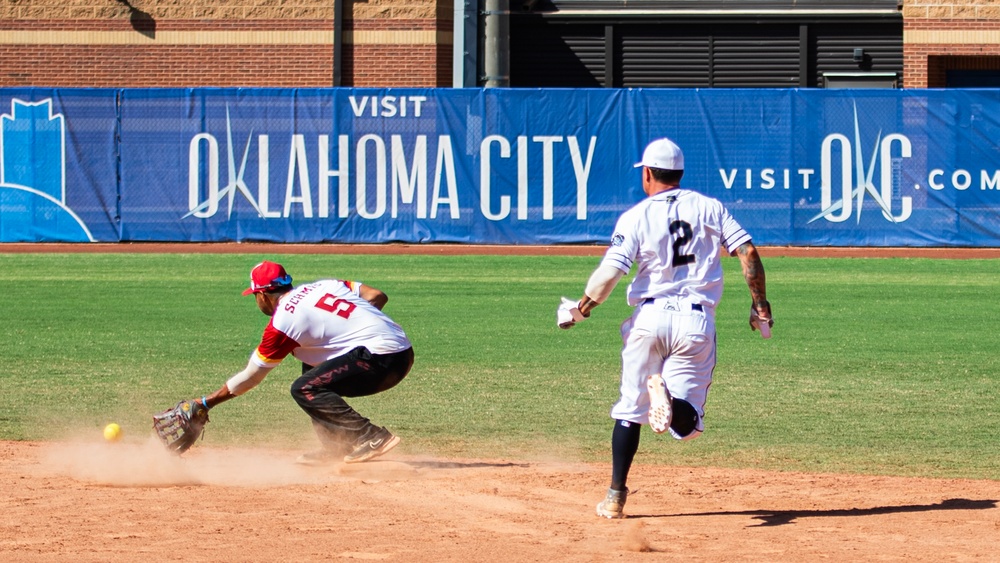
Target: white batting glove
x,y
760,323
568,314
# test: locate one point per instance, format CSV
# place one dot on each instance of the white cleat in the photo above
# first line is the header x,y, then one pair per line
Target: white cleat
x,y
613,505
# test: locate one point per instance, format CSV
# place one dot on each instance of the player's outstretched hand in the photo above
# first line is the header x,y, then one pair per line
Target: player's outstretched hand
x,y
568,314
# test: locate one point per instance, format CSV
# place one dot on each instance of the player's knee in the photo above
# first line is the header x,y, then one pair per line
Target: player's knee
x,y
685,423
296,394
301,390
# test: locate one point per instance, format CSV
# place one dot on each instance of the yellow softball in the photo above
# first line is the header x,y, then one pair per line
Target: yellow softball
x,y
112,432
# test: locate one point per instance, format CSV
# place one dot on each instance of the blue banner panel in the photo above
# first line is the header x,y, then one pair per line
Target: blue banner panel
x,y
493,166
58,165
473,166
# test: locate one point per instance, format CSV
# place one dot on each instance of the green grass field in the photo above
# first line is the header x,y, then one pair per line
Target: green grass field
x,y
881,366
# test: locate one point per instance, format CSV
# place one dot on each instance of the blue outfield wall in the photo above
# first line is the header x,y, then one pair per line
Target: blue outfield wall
x,y
492,166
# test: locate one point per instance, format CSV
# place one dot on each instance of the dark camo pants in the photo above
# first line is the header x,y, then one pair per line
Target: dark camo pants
x,y
359,373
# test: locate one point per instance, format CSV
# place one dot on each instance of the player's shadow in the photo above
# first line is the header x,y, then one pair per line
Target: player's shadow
x,y
782,517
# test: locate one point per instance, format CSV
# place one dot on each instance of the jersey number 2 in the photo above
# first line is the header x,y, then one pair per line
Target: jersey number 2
x,y
682,235
340,307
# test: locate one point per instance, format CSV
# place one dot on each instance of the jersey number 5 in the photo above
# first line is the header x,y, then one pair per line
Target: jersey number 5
x,y
340,307
682,235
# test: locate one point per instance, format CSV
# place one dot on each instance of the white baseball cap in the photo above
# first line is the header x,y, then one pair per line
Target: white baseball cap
x,y
664,154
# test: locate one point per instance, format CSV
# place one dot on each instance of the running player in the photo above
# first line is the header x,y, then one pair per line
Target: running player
x,y
348,348
673,237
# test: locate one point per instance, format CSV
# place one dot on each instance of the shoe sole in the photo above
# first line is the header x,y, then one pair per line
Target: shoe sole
x,y
392,443
660,412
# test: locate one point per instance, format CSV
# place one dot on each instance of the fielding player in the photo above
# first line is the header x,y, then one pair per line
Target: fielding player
x,y
673,237
348,348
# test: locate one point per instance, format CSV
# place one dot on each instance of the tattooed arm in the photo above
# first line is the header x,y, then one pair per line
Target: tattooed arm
x,y
753,273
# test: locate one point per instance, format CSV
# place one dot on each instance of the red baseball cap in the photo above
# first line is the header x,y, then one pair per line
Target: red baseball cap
x,y
267,276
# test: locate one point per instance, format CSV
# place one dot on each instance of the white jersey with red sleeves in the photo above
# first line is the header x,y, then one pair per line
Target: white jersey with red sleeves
x,y
325,319
675,237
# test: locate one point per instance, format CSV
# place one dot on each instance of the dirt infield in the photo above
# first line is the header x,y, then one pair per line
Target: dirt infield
x,y
98,502
90,501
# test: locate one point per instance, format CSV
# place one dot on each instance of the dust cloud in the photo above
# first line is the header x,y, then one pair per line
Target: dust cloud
x,y
635,539
149,464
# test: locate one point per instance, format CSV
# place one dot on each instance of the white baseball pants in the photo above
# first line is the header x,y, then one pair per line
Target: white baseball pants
x,y
675,338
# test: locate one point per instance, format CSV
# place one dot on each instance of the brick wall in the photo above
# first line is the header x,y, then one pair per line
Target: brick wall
x,y
288,43
228,43
944,35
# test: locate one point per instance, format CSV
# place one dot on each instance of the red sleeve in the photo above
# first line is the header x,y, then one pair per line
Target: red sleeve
x,y
274,346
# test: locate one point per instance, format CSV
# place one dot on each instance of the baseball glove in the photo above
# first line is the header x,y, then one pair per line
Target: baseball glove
x,y
180,427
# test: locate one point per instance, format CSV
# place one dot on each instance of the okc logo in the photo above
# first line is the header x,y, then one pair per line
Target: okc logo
x,y
210,205
856,181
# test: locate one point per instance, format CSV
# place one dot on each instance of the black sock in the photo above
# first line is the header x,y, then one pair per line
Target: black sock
x,y
624,444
